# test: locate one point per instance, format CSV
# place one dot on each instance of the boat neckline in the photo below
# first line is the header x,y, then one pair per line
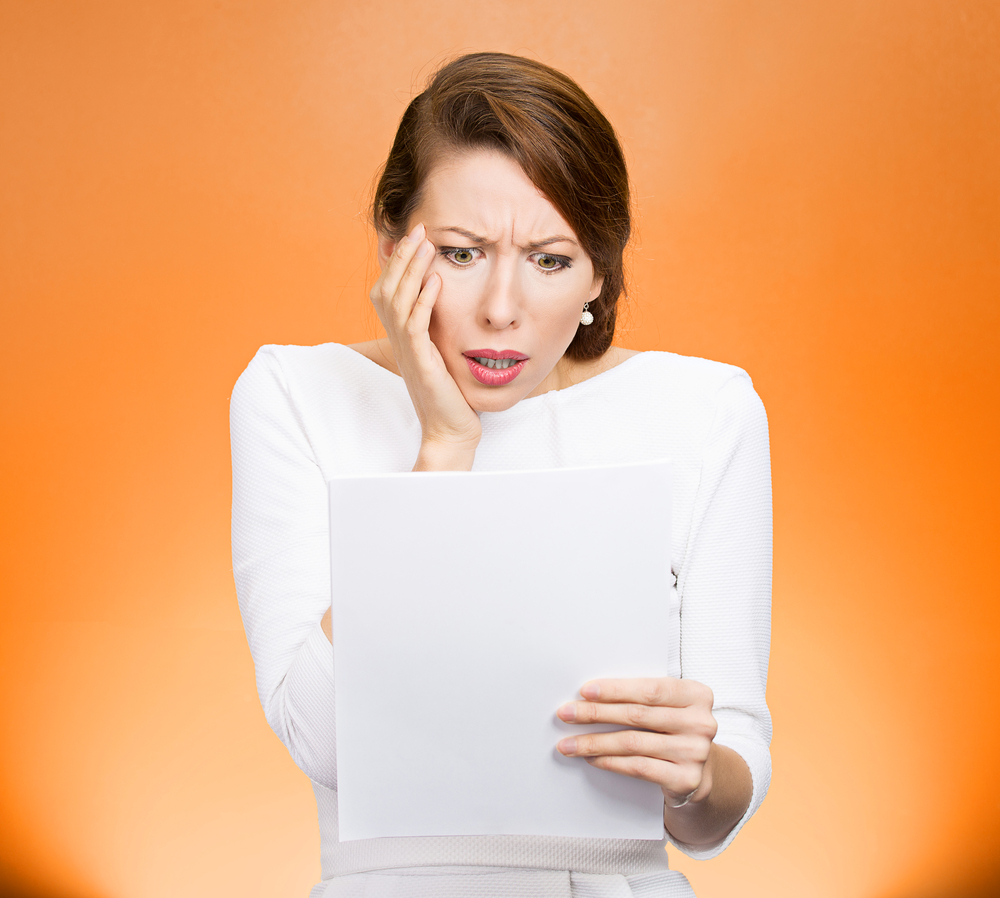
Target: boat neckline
x,y
551,395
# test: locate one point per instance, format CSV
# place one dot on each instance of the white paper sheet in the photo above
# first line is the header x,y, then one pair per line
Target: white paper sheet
x,y
466,608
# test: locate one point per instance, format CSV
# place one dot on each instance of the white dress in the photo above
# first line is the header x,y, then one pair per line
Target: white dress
x,y
301,414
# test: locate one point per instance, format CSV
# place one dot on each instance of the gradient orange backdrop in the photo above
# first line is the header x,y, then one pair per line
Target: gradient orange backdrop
x,y
818,187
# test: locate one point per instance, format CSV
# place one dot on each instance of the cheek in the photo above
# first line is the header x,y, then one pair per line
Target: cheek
x,y
447,315
562,312
457,301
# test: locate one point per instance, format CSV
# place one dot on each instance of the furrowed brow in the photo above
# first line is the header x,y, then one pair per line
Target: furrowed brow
x,y
482,241
474,238
558,238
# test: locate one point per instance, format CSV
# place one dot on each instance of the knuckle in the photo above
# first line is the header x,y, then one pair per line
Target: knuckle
x,y
637,714
651,692
632,742
686,780
639,766
695,749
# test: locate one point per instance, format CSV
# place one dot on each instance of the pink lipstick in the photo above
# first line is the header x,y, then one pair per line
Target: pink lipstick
x,y
494,368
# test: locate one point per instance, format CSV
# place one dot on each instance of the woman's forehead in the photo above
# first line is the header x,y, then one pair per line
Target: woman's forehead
x,y
487,195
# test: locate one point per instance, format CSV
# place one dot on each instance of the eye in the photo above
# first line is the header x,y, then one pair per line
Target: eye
x,y
461,256
549,263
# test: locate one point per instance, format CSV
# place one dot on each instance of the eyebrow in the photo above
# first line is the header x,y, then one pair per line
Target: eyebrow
x,y
482,241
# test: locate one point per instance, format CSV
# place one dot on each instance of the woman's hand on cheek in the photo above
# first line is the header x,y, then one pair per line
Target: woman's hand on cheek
x,y
669,740
404,297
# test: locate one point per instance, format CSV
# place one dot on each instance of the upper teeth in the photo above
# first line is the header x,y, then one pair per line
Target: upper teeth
x,y
496,363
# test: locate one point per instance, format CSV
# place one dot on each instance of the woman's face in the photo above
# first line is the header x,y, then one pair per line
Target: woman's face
x,y
514,279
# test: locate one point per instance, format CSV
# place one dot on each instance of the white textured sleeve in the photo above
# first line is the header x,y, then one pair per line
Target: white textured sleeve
x,y
725,586
281,564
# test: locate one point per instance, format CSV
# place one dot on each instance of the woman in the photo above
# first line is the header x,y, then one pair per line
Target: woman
x,y
502,215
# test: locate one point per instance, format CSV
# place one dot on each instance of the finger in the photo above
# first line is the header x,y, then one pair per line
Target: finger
x,y
410,283
678,779
420,318
647,717
662,691
388,282
685,749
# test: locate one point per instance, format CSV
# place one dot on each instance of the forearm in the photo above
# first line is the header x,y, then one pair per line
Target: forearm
x,y
708,817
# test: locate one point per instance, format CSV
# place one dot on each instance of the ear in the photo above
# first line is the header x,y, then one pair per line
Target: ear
x,y
386,247
596,288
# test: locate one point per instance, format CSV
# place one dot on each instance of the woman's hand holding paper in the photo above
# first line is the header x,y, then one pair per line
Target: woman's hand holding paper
x,y
672,733
668,741
404,296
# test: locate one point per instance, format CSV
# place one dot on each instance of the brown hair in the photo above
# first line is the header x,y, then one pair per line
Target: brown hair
x,y
545,122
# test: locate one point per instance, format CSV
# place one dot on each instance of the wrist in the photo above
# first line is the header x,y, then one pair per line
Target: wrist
x,y
443,456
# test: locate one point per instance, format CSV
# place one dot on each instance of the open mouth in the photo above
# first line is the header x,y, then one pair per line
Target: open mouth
x,y
495,363
495,368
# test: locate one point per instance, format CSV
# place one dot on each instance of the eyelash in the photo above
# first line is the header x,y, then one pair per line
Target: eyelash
x,y
449,251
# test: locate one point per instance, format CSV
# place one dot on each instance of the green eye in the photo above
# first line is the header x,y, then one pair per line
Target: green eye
x,y
461,256
550,263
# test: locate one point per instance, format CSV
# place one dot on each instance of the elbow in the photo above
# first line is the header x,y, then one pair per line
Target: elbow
x,y
307,733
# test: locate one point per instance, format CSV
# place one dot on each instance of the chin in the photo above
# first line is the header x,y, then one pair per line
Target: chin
x,y
493,401
493,398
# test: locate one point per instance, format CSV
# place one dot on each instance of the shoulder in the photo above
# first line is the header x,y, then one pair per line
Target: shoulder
x,y
284,363
329,392
276,356
693,380
702,376
704,397
293,376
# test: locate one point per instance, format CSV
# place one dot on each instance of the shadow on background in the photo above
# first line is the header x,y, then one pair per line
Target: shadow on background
x,y
13,887
984,884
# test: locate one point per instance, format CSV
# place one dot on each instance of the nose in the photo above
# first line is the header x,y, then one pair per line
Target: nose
x,y
501,298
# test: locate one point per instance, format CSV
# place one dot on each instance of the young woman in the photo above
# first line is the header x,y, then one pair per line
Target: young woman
x,y
502,215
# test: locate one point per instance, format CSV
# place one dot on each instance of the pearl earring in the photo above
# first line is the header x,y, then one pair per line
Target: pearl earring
x,y
586,318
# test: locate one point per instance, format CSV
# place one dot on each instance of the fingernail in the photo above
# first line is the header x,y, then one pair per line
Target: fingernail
x,y
416,233
591,690
567,711
423,249
567,746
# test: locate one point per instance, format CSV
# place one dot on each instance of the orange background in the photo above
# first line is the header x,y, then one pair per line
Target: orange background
x,y
819,194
